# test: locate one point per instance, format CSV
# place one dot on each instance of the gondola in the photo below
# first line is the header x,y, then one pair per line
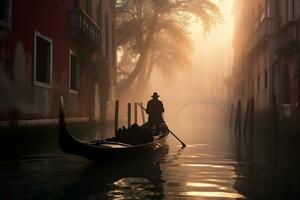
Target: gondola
x,y
112,148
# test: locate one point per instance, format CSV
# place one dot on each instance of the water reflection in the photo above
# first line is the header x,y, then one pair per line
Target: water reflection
x,y
191,184
135,179
223,195
202,171
127,188
208,168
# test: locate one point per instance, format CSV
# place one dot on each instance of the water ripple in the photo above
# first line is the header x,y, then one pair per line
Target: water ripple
x,y
213,194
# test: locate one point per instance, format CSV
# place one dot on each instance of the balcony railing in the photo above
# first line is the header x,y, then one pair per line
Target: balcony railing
x,y
82,25
267,27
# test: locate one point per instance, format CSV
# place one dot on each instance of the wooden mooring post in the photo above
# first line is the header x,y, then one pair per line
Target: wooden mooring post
x,y
129,114
251,118
135,113
143,114
275,118
230,117
238,119
116,116
246,118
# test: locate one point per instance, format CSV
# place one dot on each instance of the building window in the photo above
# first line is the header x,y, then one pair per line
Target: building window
x,y
268,8
5,14
114,44
258,83
99,13
73,73
262,15
266,79
89,8
290,4
42,61
107,38
286,84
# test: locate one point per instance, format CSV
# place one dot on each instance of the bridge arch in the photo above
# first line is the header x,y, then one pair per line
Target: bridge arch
x,y
196,101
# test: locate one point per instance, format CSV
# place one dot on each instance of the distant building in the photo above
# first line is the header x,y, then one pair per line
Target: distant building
x,y
267,54
56,48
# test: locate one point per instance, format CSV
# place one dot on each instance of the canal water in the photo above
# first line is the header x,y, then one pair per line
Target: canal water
x,y
210,167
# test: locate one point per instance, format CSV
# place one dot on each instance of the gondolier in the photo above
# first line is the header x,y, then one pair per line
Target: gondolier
x,y
123,146
155,109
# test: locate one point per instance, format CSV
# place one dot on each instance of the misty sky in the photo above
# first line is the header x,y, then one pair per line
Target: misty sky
x,y
212,61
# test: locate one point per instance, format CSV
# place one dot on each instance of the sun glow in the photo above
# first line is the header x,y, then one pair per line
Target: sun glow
x,y
213,194
218,38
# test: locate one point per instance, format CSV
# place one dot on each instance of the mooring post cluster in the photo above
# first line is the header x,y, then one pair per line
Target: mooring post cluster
x,y
242,128
249,118
129,107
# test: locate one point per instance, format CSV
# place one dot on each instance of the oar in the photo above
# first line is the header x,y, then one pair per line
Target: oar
x,y
182,143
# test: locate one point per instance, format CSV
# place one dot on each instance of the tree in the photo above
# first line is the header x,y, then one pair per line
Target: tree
x,y
155,33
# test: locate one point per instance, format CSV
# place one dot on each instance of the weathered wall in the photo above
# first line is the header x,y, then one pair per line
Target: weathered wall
x,y
266,55
19,98
247,68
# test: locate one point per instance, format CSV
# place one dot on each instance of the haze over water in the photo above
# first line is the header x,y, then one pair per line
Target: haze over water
x,y
206,169
212,166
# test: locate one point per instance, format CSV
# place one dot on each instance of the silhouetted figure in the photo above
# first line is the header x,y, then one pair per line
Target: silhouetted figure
x,y
155,109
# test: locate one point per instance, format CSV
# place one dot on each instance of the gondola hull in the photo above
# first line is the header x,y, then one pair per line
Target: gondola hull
x,y
90,149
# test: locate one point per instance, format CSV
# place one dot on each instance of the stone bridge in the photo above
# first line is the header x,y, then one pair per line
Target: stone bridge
x,y
176,109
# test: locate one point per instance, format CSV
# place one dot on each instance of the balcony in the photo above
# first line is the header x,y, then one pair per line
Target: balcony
x,y
83,26
265,29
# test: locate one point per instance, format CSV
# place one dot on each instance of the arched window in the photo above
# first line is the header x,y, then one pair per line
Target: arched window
x,y
266,79
275,78
286,84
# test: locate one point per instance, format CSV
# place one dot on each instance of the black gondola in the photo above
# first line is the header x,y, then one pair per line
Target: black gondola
x,y
108,149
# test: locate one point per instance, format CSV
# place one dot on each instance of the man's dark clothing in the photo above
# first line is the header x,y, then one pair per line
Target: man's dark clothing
x,y
155,109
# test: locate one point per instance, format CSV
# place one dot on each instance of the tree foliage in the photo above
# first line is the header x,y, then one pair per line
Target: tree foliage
x,y
155,33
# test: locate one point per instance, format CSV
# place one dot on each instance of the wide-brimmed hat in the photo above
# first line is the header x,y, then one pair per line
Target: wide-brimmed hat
x,y
155,95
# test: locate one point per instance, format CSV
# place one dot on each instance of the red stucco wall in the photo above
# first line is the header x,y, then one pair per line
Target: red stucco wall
x,y
51,19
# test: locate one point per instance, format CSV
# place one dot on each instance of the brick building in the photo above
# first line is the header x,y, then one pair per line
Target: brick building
x,y
56,48
266,54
